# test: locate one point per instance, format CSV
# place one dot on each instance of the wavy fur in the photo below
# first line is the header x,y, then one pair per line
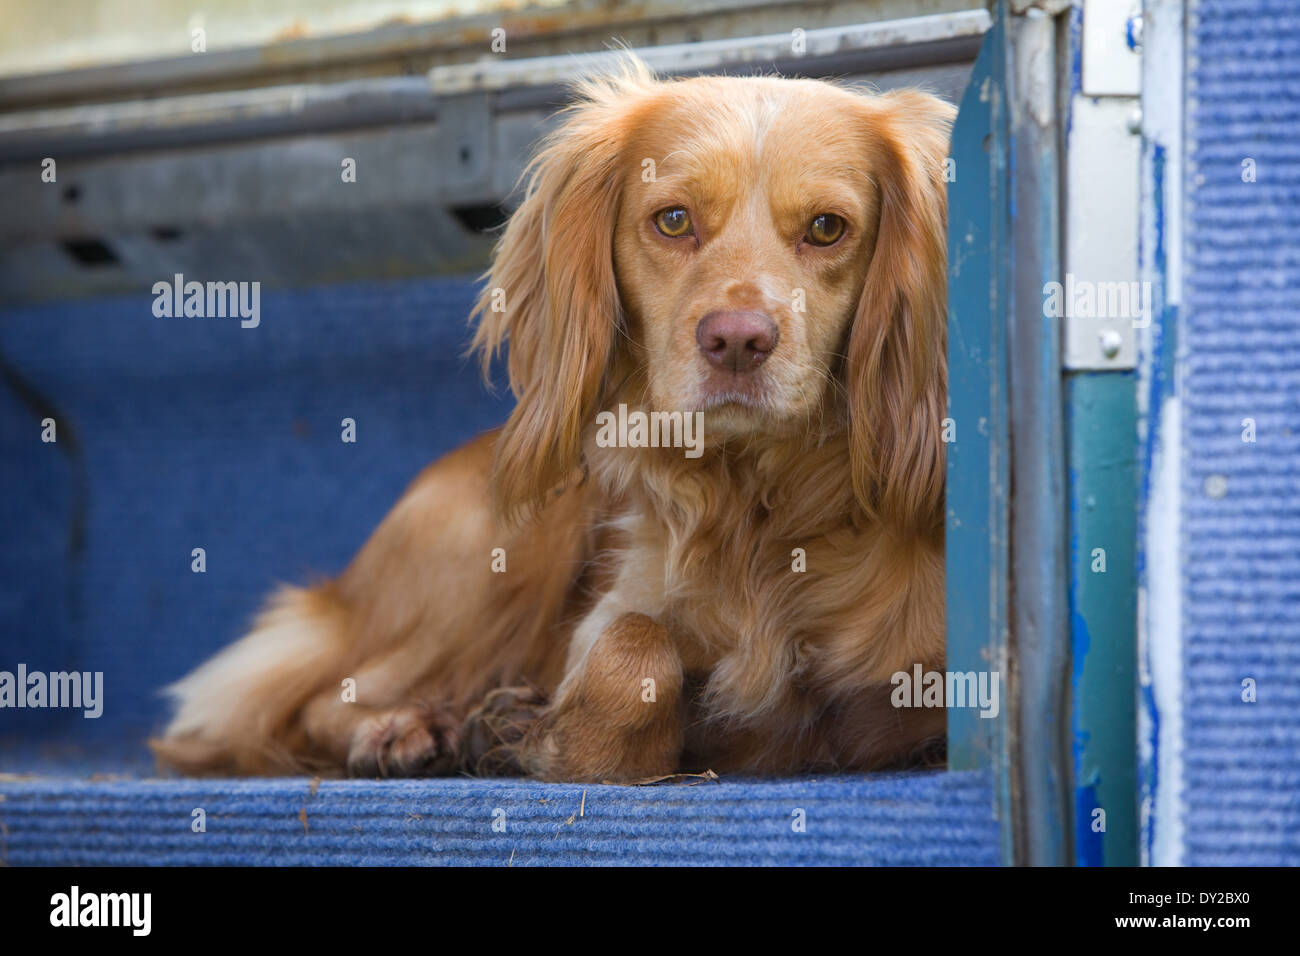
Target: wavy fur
x,y
651,617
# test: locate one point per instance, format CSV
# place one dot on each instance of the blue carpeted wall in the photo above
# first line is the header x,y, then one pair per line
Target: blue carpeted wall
x,y
1240,330
183,433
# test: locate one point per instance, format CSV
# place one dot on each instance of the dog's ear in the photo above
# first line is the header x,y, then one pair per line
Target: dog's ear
x,y
896,361
551,292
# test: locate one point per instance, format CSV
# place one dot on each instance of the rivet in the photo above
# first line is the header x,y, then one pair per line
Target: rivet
x,y
1111,343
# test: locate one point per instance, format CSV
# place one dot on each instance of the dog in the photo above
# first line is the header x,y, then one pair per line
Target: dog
x,y
765,256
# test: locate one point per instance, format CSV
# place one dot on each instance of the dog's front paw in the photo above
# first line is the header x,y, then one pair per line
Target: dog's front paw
x,y
415,741
494,732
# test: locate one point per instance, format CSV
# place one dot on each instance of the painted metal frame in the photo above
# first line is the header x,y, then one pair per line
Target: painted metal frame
x,y
1040,770
1101,148
1004,481
436,172
382,46
978,479
165,120
1043,473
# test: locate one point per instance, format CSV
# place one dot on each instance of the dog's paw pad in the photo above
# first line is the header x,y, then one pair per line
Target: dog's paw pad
x,y
414,741
494,731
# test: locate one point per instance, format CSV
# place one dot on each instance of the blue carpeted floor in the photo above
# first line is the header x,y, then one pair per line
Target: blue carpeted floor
x,y
909,819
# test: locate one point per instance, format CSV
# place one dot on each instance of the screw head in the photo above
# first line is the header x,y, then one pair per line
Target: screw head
x,y
1111,343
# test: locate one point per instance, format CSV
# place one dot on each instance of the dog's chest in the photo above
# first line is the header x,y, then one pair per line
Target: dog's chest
x,y
753,601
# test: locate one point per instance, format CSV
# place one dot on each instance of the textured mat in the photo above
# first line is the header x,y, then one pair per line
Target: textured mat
x,y
908,819
1241,500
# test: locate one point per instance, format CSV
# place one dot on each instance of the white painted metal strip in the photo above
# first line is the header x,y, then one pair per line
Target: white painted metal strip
x,y
1111,63
500,73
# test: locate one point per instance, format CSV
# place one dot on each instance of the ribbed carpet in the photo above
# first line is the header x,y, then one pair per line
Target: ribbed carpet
x,y
177,433
907,819
1241,511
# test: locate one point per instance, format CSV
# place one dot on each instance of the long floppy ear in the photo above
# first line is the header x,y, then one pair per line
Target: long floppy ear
x,y
551,292
896,368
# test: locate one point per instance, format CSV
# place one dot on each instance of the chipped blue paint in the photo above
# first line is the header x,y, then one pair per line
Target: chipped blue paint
x,y
1149,753
1132,27
1089,844
1161,386
1076,52
1149,769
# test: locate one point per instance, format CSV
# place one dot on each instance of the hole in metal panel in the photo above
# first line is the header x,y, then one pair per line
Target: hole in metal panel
x,y
90,252
483,217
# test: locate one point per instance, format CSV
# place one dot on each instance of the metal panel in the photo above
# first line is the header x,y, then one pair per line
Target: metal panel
x,y
465,34
1101,296
195,119
978,479
1040,636
1111,65
1105,307
262,194
1007,562
209,118
942,38
1102,433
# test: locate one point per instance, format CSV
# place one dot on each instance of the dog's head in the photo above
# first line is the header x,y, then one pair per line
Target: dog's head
x,y
770,252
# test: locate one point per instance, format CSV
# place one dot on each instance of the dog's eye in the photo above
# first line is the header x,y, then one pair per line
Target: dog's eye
x,y
825,229
673,222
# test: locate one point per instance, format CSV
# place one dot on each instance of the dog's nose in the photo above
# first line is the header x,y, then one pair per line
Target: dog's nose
x,y
739,341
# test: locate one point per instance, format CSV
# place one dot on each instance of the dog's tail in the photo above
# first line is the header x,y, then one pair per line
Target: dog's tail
x,y
238,712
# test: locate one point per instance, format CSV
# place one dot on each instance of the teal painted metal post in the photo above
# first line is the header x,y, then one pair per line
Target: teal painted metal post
x,y
1102,431
1101,199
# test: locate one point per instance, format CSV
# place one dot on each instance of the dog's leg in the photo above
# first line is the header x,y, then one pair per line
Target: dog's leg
x,y
618,714
415,739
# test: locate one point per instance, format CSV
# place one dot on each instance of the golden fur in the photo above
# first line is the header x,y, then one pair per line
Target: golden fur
x,y
639,573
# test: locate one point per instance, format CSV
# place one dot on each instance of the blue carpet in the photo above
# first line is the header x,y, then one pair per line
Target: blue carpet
x,y
177,433
183,433
1241,500
909,819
